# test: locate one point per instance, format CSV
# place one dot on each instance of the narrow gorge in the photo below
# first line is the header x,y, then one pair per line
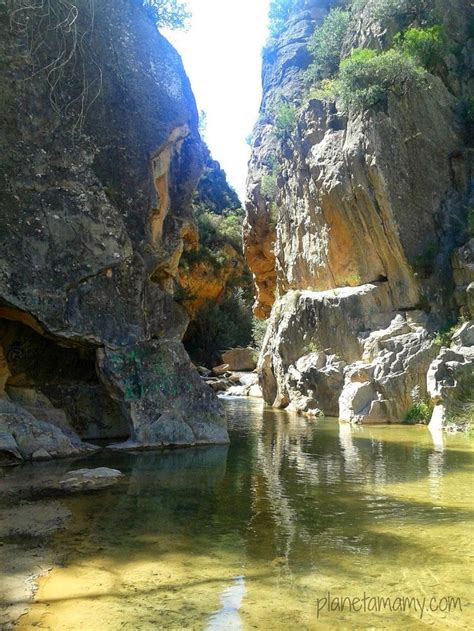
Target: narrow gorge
x,y
218,411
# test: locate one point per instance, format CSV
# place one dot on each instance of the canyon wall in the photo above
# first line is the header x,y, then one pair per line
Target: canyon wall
x,y
100,157
356,227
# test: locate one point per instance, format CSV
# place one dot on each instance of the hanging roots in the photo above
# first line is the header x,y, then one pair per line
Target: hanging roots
x,y
53,44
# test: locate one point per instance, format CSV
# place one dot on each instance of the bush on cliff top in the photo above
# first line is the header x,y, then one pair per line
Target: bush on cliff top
x,y
366,77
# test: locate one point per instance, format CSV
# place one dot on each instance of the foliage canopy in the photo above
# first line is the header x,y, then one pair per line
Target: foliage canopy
x,y
366,76
280,11
326,43
172,14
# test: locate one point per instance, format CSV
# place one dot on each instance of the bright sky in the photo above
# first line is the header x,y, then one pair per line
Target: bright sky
x,y
221,54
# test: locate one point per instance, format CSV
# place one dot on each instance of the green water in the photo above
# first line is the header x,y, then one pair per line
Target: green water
x,y
255,535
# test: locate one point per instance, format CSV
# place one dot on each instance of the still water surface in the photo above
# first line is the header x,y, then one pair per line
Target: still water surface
x,y
250,536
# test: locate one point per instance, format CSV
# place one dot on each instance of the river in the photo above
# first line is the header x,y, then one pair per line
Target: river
x,y
298,524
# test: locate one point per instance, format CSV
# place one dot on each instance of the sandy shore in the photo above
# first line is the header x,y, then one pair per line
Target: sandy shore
x,y
25,555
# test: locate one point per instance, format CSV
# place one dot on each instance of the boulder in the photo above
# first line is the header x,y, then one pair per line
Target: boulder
x,y
314,384
255,391
384,389
463,338
218,385
240,359
318,326
164,399
88,480
237,391
25,437
450,380
223,369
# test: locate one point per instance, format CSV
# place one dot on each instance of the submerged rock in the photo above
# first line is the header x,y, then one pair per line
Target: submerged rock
x,y
89,479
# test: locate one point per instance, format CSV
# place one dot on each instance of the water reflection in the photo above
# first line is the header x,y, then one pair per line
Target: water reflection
x,y
249,536
228,616
436,462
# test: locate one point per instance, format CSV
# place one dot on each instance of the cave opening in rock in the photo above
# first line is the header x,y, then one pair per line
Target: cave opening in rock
x,y
55,381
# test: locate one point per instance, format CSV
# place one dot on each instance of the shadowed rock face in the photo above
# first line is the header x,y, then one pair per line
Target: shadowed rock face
x,y
99,162
376,198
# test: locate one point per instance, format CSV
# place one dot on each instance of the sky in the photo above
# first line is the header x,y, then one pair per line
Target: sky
x,y
222,56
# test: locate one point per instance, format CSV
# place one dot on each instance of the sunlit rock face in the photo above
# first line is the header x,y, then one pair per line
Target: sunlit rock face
x,y
343,202
99,162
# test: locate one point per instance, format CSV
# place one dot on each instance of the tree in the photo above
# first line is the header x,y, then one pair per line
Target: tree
x,y
172,14
280,11
325,44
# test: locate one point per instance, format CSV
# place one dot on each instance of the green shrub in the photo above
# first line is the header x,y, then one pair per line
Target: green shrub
x,y
279,12
366,77
312,347
269,187
217,230
419,412
424,264
403,10
201,254
259,329
444,336
172,14
284,120
324,90
353,280
425,45
470,221
326,43
218,326
273,215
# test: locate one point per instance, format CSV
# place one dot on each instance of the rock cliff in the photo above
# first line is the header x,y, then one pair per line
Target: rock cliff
x,y
100,157
214,260
356,221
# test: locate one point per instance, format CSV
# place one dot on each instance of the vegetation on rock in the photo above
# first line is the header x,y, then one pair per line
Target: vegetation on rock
x,y
325,45
222,318
403,10
280,11
425,45
419,413
284,120
172,14
366,77
218,326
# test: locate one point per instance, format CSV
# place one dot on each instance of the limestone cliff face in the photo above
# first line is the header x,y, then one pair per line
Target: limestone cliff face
x,y
100,156
356,243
